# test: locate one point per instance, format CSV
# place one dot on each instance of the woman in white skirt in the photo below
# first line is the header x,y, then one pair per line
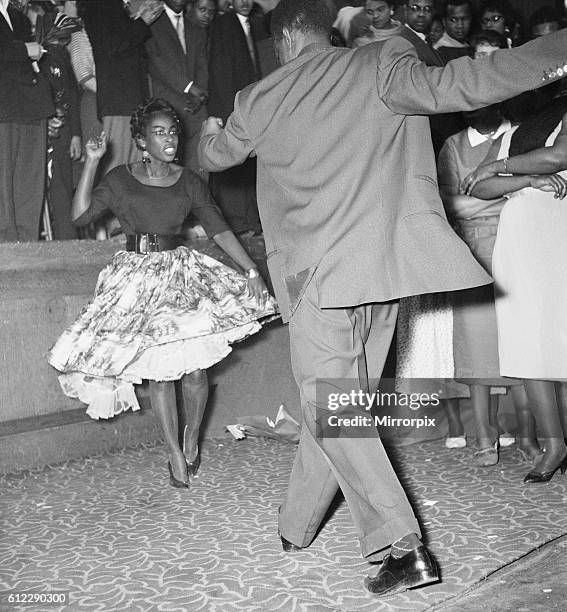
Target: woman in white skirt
x,y
530,272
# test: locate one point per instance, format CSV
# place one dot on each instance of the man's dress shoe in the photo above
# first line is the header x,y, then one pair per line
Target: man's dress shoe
x,y
288,546
396,575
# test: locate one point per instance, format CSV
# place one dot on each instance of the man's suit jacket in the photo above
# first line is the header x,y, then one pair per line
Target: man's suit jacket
x,y
25,96
444,125
347,183
230,65
425,53
119,54
170,68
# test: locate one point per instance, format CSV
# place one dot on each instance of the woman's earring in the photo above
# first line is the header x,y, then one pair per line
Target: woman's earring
x,y
145,157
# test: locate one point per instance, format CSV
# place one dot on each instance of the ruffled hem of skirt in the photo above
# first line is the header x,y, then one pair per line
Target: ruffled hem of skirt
x,y
107,397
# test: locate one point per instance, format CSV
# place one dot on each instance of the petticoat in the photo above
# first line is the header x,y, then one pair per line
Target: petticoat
x,y
155,316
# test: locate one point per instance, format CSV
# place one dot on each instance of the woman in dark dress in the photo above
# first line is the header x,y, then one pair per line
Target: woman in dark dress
x,y
161,312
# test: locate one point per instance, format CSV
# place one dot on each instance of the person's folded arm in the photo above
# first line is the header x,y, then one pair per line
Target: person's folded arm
x,y
545,160
466,207
499,186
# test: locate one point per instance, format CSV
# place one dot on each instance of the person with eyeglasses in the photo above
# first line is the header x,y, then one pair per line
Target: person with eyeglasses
x,y
497,15
161,312
418,16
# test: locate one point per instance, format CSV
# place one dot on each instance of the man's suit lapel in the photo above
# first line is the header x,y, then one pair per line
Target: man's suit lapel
x,y
5,31
424,51
169,32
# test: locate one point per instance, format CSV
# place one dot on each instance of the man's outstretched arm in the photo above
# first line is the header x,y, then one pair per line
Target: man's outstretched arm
x,y
221,148
409,87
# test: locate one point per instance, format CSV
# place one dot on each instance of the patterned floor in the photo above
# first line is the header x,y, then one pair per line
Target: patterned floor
x,y
111,531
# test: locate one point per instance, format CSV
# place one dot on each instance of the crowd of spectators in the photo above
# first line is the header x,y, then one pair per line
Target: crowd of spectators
x,y
62,83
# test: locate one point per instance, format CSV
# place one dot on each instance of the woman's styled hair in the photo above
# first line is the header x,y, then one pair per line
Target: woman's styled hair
x,y
142,115
491,38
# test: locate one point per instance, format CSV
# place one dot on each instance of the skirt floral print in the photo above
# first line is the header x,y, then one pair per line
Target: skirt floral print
x,y
155,316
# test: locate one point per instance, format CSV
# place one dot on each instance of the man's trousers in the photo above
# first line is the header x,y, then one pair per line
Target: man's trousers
x,y
334,349
23,151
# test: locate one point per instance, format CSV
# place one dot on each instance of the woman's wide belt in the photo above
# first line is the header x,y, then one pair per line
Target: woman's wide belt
x,y
153,243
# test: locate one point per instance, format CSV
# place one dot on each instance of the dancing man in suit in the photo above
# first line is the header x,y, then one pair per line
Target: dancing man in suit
x,y
353,221
25,105
177,52
233,64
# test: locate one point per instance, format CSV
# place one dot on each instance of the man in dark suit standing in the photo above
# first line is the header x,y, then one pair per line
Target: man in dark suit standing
x,y
233,64
25,105
177,53
418,19
121,70
353,221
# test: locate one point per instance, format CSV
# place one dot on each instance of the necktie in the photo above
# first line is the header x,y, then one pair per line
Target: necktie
x,y
250,43
180,32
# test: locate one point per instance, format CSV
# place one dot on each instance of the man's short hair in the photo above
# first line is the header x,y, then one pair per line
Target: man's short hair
x,y
306,16
459,3
545,14
456,3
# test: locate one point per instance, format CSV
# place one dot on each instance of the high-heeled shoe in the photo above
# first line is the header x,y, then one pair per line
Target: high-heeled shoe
x,y
485,457
178,484
193,466
535,476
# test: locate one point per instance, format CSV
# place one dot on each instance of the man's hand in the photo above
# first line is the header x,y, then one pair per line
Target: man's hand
x,y
200,93
192,102
35,51
359,25
211,126
195,98
151,11
54,125
75,148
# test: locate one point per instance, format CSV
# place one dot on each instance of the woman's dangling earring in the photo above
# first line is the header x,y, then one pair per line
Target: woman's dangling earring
x,y
145,157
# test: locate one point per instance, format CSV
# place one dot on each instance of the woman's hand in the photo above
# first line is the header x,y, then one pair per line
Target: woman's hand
x,y
258,289
550,182
482,173
96,147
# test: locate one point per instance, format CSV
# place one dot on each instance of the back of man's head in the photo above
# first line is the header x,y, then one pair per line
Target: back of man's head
x,y
304,16
458,3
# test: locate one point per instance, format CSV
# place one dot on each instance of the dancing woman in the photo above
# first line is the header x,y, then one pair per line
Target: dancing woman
x,y
530,272
161,311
